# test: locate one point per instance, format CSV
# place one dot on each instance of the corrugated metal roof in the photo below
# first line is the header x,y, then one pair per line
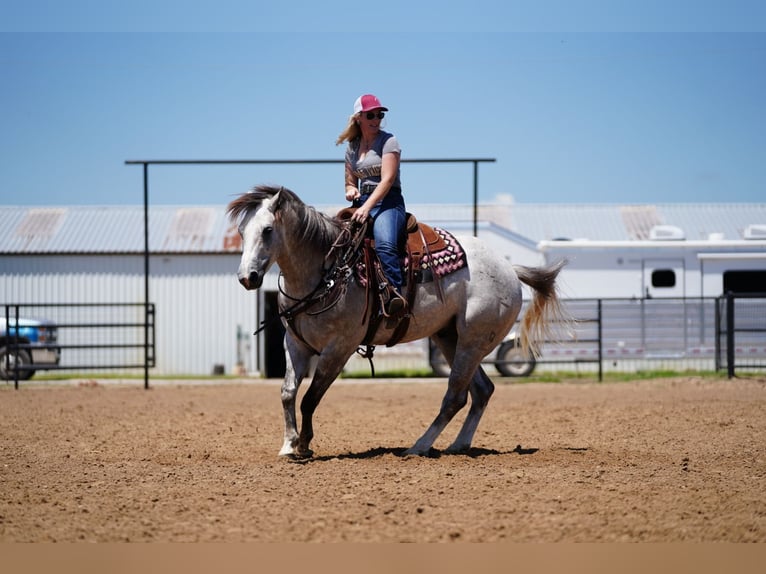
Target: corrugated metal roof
x,y
701,220
114,229
552,221
639,220
614,222
206,229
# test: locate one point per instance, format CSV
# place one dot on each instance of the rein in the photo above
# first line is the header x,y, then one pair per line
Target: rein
x,y
336,275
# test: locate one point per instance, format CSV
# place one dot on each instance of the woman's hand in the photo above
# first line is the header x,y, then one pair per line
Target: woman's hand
x,y
361,214
352,193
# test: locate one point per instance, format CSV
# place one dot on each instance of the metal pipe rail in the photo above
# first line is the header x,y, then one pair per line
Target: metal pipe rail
x,y
732,327
122,335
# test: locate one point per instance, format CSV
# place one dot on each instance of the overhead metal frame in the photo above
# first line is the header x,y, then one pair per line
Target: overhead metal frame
x,y
147,162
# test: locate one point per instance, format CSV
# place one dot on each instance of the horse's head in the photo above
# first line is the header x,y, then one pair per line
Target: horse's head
x,y
256,214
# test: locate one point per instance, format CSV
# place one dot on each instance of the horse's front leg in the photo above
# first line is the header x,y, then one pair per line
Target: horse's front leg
x,y
297,361
326,372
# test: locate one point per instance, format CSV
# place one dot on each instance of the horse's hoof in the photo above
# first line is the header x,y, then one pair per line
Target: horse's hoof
x,y
303,454
429,452
295,454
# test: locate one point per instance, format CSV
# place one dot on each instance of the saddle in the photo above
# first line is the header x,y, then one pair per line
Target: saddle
x,y
422,242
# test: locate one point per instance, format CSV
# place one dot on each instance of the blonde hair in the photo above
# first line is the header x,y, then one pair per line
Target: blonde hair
x,y
352,131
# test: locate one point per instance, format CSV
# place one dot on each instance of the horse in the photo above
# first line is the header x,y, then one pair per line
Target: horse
x,y
324,308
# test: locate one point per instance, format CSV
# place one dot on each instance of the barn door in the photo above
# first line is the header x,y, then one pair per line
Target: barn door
x,y
274,361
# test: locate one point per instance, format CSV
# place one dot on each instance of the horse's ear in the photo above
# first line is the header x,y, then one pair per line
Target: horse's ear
x,y
277,199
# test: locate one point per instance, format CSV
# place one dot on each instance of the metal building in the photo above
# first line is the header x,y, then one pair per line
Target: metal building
x,y
205,320
95,255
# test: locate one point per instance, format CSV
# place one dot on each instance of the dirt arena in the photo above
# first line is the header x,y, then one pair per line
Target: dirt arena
x,y
647,461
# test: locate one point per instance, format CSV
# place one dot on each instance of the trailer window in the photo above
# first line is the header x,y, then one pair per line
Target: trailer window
x,y
744,281
663,278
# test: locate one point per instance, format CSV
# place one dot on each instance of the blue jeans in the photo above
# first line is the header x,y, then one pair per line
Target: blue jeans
x,y
389,217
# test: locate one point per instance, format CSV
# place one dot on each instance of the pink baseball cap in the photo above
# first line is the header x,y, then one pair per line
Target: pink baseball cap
x,y
368,102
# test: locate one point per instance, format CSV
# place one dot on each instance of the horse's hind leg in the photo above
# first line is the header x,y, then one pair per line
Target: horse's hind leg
x,y
454,400
481,390
456,397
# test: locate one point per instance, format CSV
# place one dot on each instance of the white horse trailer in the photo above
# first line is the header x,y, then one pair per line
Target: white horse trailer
x,y
659,267
658,302
658,297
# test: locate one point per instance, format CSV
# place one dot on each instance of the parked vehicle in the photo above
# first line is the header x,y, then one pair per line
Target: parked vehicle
x,y
654,293
508,359
665,265
27,346
691,331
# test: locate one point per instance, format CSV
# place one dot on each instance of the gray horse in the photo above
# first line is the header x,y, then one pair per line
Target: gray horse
x,y
325,309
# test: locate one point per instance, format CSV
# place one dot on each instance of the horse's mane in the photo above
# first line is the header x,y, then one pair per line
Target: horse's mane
x,y
311,225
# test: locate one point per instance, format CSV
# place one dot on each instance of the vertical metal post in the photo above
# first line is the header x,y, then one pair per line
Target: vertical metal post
x,y
475,198
600,346
146,275
717,334
13,345
16,341
730,334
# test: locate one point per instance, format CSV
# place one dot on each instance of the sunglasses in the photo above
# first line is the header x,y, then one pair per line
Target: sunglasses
x,y
373,115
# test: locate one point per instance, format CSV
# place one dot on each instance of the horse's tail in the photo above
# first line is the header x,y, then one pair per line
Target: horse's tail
x,y
545,308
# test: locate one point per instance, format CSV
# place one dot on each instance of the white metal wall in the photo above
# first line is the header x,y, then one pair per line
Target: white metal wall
x,y
204,316
71,279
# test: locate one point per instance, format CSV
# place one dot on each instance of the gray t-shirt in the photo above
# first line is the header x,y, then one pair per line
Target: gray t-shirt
x,y
368,169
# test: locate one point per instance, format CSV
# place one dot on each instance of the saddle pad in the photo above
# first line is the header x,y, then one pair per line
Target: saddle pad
x,y
444,259
446,256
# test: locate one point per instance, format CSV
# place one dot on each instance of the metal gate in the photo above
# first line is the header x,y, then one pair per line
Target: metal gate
x,y
740,329
76,336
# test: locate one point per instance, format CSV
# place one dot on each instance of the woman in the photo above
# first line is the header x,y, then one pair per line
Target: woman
x,y
374,187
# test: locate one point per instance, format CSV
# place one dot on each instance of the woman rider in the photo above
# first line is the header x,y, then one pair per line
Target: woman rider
x,y
374,187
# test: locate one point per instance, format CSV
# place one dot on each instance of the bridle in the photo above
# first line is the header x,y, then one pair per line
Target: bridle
x,y
343,256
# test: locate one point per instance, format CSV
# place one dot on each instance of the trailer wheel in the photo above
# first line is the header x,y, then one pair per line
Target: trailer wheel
x,y
12,359
511,362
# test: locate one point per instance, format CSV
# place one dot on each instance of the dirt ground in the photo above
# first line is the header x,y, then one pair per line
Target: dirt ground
x,y
662,461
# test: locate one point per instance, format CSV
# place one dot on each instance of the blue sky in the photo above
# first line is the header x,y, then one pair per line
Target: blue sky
x,y
578,102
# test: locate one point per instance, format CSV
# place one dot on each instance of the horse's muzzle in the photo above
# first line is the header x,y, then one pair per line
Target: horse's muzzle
x,y
252,281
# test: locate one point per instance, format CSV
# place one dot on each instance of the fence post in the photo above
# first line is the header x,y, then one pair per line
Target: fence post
x,y
718,334
600,346
12,345
730,334
146,275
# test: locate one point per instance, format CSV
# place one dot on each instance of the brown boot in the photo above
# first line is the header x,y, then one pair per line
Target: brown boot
x,y
396,304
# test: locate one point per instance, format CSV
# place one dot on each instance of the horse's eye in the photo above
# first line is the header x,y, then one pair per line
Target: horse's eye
x,y
267,232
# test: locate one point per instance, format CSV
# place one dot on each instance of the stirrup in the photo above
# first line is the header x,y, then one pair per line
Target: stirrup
x,y
396,304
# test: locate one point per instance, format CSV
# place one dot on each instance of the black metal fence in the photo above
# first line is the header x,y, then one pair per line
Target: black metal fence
x,y
630,335
743,326
725,333
76,336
